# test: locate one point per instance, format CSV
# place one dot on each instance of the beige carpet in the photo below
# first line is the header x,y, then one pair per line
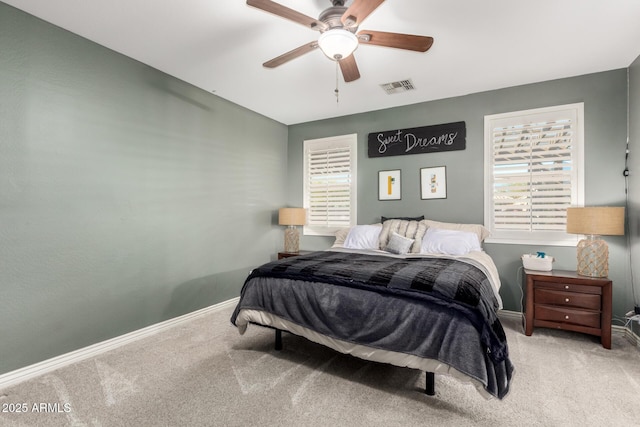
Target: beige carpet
x,y
203,373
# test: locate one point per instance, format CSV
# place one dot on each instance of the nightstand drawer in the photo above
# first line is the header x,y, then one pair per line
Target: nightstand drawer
x,y
568,299
565,315
569,287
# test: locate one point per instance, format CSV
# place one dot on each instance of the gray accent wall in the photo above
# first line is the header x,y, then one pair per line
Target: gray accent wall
x,y
127,197
605,105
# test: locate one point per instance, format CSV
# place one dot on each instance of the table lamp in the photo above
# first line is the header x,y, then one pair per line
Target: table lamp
x,y
593,252
292,217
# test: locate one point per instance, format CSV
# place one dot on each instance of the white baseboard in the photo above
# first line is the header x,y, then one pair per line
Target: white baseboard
x,y
510,314
49,365
628,334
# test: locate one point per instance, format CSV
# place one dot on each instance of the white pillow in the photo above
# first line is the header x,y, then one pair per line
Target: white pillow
x,y
398,244
449,242
482,232
363,237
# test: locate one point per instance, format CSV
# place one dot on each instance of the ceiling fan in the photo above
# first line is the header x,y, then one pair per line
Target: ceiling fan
x,y
338,26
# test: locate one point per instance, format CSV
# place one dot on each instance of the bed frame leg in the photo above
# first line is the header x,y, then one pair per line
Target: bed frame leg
x,y
278,339
430,388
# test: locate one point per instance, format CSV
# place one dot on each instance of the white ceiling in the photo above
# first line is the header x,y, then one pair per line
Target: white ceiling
x,y
220,45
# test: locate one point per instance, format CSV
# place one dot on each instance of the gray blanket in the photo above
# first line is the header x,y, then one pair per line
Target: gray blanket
x,y
436,308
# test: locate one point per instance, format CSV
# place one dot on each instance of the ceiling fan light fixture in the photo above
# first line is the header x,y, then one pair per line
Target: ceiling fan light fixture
x,y
337,43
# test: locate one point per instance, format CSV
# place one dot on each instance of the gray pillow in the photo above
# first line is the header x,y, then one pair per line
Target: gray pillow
x,y
398,244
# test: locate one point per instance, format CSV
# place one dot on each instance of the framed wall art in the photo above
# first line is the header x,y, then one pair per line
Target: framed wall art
x,y
389,186
433,183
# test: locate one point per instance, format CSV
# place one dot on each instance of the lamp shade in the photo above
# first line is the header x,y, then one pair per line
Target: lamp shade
x,y
599,221
292,216
338,43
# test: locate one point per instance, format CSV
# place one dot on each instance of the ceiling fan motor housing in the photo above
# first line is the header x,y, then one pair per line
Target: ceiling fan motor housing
x,y
332,17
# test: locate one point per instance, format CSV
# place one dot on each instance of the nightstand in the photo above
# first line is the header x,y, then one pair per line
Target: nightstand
x,y
565,300
282,255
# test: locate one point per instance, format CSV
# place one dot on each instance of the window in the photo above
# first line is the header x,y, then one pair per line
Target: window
x,y
330,196
533,172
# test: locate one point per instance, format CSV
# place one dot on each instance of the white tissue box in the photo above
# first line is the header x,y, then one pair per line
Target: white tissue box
x,y
533,262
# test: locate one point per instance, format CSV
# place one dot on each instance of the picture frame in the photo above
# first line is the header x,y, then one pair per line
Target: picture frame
x,y
389,185
433,183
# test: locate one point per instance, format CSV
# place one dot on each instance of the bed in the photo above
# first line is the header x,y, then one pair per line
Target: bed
x,y
392,293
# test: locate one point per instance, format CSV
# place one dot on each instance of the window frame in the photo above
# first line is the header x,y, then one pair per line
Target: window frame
x,y
349,141
552,238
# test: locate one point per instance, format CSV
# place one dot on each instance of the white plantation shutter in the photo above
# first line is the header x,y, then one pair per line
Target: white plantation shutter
x,y
330,184
533,173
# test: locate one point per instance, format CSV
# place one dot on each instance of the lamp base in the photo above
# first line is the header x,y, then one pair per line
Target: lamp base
x,y
291,240
593,257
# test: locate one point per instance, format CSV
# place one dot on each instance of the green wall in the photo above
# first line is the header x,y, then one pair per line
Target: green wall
x,y
605,102
127,197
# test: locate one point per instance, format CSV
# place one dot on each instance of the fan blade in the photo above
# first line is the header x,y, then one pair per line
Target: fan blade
x,y
290,14
349,68
396,40
358,11
286,57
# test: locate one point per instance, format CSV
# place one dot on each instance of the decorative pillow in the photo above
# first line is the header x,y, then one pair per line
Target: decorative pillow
x,y
482,232
341,235
411,229
449,242
406,218
398,244
363,237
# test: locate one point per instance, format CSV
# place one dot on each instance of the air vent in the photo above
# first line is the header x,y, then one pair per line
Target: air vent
x,y
397,87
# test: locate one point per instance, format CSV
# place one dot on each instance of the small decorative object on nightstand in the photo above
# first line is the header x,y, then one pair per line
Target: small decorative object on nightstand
x,y
565,300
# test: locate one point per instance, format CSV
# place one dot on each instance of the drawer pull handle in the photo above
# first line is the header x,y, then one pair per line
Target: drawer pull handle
x,y
566,286
566,300
566,317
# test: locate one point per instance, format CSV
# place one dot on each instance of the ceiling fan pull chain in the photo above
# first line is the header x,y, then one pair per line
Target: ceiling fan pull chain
x,y
337,92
